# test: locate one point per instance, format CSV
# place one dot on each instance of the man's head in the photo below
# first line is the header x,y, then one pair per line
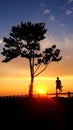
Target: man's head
x,y
57,78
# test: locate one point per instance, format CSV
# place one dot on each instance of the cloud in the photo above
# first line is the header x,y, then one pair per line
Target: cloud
x,y
49,41
70,1
52,17
68,49
1,46
65,66
1,40
65,45
46,11
63,8
42,4
69,12
62,24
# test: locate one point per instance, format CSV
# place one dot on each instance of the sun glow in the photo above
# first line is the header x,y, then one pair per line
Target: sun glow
x,y
41,90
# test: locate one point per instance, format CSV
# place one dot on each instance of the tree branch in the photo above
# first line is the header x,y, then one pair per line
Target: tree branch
x,y
41,70
37,68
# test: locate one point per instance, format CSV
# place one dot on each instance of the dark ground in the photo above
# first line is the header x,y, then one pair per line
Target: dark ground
x,y
37,113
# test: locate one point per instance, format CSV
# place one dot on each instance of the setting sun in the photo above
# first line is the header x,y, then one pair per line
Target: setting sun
x,y
41,90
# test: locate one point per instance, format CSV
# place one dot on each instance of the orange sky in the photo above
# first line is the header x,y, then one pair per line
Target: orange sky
x,y
15,75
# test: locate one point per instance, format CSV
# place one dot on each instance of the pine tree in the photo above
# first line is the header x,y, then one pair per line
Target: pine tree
x,y
24,40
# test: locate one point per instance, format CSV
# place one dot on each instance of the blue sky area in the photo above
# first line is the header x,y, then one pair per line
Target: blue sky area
x,y
57,14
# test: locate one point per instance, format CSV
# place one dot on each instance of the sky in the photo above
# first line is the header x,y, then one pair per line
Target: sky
x,y
58,18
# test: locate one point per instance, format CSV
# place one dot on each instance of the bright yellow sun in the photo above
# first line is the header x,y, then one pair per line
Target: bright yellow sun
x,y
41,91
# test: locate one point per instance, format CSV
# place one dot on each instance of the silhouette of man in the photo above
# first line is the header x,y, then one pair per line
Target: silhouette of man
x,y
58,85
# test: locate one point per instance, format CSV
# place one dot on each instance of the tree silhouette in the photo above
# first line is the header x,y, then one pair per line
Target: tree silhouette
x,y
24,41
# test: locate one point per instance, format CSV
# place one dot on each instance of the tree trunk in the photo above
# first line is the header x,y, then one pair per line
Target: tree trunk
x,y
31,61
31,87
32,79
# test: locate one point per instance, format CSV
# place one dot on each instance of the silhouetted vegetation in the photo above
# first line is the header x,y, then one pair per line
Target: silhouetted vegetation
x,y
36,113
24,41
